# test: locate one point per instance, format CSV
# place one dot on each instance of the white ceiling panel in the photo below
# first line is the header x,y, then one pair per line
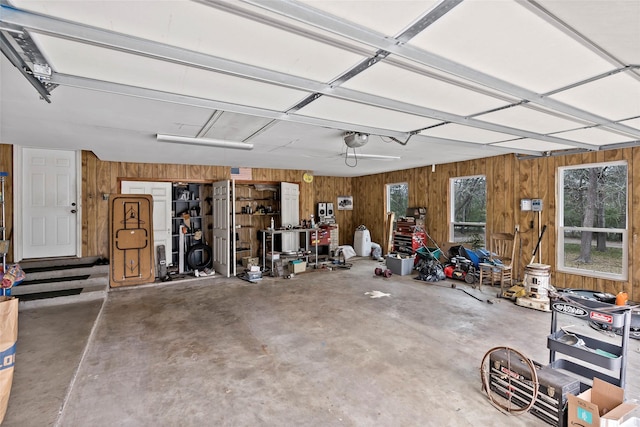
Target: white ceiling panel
x,y
123,75
110,65
533,144
634,123
615,97
526,118
188,25
505,40
614,25
448,78
396,83
466,133
352,112
233,127
387,17
594,136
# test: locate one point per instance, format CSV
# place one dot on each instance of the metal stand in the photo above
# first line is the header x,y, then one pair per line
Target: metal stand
x,y
306,231
611,358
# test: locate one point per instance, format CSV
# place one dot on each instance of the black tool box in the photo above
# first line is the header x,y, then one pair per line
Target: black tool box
x,y
509,378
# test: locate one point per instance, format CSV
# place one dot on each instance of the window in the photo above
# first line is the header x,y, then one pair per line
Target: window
x,y
592,219
398,199
468,209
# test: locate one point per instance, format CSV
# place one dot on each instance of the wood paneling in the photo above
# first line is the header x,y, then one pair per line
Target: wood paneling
x,y
6,165
104,178
327,189
508,180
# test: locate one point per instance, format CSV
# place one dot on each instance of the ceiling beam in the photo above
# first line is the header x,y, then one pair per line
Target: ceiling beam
x,y
15,58
152,94
319,19
112,40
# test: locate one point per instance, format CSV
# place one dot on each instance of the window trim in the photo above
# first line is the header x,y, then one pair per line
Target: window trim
x,y
560,267
387,188
452,210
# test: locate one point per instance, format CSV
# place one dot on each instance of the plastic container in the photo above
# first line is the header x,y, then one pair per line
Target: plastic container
x,y
400,266
621,298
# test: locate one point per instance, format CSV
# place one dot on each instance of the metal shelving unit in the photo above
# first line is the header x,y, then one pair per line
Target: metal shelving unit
x,y
590,357
186,199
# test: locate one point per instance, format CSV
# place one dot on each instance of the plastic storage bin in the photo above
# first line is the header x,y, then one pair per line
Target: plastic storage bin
x,y
400,266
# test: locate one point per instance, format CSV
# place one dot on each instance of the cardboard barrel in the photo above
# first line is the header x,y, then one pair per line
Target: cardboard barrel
x,y
536,280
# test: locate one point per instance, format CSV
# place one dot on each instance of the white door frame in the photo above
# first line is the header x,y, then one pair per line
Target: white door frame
x,y
168,206
223,220
17,202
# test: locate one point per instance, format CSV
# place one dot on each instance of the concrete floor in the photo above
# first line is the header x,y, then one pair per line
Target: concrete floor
x,y
314,350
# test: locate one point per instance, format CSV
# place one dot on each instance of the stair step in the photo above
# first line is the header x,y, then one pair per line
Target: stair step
x,y
92,281
81,271
58,281
58,263
48,301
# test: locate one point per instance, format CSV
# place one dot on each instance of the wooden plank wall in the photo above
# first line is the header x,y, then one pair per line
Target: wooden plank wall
x,y
6,165
508,181
103,178
327,189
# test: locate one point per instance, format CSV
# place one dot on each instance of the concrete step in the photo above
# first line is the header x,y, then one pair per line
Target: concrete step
x,y
93,281
70,272
69,285
84,296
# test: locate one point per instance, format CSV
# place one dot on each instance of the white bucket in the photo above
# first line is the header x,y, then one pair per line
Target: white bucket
x,y
536,280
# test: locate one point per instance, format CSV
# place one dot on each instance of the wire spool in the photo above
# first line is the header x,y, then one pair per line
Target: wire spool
x,y
199,263
510,380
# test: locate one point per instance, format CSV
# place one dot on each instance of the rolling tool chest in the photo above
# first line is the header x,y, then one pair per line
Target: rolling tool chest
x,y
408,237
510,380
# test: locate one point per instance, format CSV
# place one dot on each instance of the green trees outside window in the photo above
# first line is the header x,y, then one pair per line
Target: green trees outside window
x,y
592,218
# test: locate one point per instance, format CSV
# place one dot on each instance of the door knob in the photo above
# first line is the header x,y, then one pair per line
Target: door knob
x,y
73,204
73,211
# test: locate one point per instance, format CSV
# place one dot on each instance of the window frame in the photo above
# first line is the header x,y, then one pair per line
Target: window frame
x,y
387,189
561,228
452,211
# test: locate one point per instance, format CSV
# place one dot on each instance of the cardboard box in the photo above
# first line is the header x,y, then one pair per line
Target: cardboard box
x,y
400,266
297,266
600,406
248,262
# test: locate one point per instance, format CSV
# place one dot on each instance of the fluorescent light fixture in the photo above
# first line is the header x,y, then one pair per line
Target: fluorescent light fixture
x,y
207,142
371,156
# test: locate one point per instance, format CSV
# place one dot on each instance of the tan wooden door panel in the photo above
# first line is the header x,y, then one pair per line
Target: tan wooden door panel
x,y
131,240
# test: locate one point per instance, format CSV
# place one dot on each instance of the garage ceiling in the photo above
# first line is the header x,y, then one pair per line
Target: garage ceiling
x,y
431,82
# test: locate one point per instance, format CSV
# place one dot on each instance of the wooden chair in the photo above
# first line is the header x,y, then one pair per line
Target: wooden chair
x,y
502,248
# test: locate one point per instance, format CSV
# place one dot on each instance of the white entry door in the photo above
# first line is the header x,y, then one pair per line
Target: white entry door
x,y
290,214
222,245
161,192
49,203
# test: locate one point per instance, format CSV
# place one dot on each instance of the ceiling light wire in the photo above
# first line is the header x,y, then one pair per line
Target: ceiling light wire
x,y
346,158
